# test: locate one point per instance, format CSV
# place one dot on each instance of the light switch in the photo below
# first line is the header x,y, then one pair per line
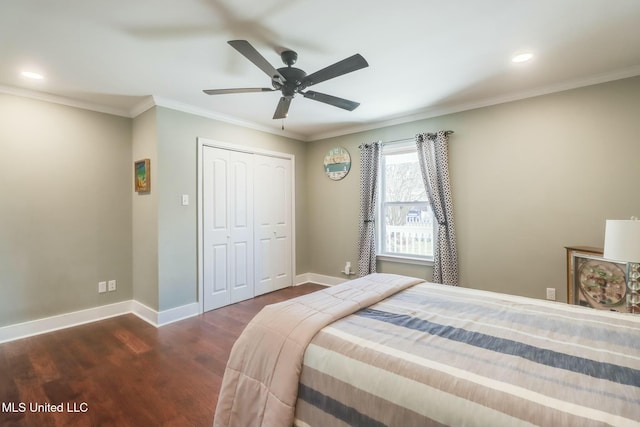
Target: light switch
x,y
185,199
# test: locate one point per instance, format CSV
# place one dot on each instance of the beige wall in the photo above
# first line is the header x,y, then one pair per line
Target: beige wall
x,y
70,217
144,213
529,177
65,214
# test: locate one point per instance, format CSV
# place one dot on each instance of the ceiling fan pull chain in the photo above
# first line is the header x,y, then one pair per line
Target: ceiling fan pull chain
x,y
282,124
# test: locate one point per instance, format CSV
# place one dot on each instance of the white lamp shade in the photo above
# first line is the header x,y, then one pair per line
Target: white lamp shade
x,y
622,240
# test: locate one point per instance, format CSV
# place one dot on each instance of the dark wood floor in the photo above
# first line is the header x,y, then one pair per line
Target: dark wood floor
x,y
125,372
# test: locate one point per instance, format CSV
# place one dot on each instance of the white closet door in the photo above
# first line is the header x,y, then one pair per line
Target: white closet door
x,y
273,230
228,227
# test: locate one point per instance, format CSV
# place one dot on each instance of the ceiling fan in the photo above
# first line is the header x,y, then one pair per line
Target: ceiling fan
x,y
290,80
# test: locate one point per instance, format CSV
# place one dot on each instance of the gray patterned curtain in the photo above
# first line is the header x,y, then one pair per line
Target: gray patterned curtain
x,y
434,164
369,165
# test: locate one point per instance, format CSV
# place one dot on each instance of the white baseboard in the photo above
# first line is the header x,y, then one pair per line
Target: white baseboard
x,y
319,279
178,313
161,318
75,318
149,315
62,321
301,279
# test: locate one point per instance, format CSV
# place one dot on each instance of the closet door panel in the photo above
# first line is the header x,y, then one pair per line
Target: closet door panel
x,y
241,195
273,224
263,221
282,221
228,227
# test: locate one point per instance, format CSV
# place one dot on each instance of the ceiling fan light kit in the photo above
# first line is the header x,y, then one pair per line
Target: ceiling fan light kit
x,y
291,81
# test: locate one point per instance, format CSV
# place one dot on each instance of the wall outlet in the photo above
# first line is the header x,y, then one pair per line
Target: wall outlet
x,y
102,287
112,285
551,294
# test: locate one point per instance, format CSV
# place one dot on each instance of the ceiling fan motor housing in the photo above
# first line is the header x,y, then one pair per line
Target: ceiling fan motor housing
x,y
294,81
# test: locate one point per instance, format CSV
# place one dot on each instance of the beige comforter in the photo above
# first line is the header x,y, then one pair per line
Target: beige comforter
x,y
266,361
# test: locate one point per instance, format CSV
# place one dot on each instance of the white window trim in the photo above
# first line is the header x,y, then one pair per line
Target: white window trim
x,y
405,259
399,258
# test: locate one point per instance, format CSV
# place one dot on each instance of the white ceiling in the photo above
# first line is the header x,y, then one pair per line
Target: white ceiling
x,y
426,57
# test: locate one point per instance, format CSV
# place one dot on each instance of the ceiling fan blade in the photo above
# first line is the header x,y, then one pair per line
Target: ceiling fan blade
x,y
345,66
283,108
331,100
249,52
238,90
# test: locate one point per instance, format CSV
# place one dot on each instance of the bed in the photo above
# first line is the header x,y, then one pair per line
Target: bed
x,y
388,350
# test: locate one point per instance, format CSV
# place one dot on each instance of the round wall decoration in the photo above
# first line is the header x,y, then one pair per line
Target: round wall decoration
x,y
337,163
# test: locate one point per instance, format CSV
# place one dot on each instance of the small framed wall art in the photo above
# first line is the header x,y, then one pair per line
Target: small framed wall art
x,y
337,163
142,175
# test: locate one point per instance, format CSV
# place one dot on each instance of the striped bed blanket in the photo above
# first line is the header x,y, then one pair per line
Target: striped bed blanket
x,y
435,355
260,382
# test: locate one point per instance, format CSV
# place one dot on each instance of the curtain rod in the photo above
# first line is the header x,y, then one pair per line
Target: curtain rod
x,y
448,132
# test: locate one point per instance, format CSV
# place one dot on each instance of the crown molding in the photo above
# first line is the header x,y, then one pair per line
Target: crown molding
x,y
429,113
142,106
62,100
186,108
147,103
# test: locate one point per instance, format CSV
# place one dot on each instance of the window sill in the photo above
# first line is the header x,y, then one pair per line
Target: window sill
x,y
405,259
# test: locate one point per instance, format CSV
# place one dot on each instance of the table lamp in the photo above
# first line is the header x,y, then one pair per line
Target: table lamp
x,y
622,243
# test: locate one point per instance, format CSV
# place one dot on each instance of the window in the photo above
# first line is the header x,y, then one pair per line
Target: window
x,y
405,220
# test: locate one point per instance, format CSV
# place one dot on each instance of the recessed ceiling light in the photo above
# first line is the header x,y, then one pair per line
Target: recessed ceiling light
x,y
32,75
523,57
